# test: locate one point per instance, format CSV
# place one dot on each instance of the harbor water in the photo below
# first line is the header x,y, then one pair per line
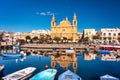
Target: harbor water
x,y
86,69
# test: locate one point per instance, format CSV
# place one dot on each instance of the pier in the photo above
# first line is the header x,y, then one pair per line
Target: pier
x,y
55,47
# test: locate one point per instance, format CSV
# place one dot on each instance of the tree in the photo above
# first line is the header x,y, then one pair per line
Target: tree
x,y
97,36
86,39
65,39
35,38
1,36
28,38
57,39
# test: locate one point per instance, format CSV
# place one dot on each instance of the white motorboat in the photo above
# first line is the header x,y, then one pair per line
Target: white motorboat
x,y
21,74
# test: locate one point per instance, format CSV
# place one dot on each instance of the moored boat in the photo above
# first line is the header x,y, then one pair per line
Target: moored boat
x,y
48,74
21,74
103,52
69,75
5,54
108,77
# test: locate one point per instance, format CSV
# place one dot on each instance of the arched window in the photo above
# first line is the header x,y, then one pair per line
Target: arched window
x,y
74,22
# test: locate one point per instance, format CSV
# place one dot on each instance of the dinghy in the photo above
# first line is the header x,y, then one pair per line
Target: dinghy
x,y
69,75
108,77
21,74
48,74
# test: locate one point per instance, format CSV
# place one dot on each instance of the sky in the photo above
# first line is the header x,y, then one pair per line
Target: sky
x,y
28,15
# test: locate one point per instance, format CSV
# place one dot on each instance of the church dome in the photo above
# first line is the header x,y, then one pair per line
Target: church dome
x,y
65,23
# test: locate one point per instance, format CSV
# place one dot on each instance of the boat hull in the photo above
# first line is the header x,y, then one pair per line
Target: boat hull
x,y
11,55
108,77
48,74
69,75
21,74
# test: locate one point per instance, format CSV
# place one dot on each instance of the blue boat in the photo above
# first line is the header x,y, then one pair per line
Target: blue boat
x,y
108,77
69,75
5,54
48,74
103,52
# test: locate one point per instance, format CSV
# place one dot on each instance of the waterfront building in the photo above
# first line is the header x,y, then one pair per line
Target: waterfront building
x,y
65,29
8,36
89,33
110,35
34,33
18,35
41,32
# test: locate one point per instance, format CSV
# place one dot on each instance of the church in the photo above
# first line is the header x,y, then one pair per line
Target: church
x,y
65,29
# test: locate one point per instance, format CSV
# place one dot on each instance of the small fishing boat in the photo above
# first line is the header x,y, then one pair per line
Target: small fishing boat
x,y
103,52
69,75
108,77
48,74
1,68
70,51
6,54
21,74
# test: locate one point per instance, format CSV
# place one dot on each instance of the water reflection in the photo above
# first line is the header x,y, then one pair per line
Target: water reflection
x,y
89,55
14,58
65,60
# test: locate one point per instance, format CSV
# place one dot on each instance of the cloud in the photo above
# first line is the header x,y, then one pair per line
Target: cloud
x,y
43,13
48,13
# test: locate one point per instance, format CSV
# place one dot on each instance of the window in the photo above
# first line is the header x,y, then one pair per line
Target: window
x,y
109,38
104,38
109,34
119,34
74,22
114,34
104,34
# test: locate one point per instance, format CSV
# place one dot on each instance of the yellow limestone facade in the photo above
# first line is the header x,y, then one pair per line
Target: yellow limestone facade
x,y
64,29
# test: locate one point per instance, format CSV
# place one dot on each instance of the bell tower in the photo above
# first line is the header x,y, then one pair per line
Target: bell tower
x,y
53,21
74,20
75,64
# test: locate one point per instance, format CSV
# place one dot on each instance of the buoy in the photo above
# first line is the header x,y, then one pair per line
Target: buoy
x,y
46,67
